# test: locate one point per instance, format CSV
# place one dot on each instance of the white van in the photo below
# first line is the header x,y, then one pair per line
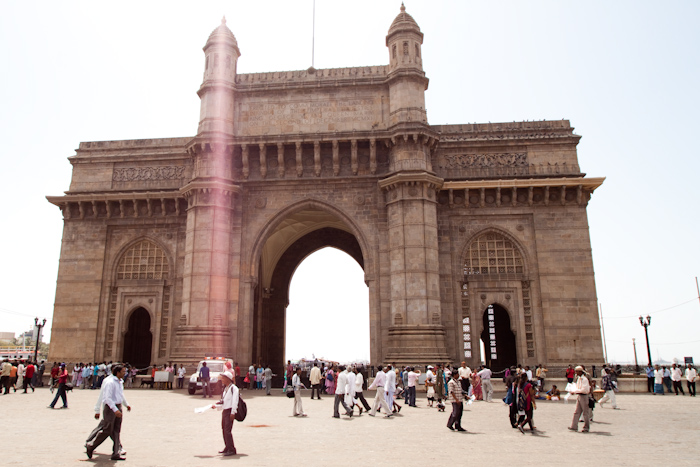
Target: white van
x,y
216,367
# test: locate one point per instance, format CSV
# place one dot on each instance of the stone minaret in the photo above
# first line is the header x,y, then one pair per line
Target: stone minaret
x,y
210,247
417,334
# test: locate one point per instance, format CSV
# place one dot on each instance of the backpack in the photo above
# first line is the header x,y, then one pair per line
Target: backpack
x,y
242,410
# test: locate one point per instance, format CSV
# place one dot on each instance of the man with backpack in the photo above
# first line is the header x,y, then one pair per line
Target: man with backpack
x,y
229,405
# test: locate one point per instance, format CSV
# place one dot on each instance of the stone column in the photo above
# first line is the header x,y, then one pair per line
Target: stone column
x,y
416,334
209,271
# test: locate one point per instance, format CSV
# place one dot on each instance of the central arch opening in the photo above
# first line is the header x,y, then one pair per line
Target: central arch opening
x,y
297,248
328,312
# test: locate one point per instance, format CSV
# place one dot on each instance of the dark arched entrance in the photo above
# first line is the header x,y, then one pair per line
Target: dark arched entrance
x,y
498,339
270,305
138,339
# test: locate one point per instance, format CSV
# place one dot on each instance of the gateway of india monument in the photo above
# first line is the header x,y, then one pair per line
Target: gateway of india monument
x,y
179,248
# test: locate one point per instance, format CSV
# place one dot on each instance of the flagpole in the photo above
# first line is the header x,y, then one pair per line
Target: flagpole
x,y
602,326
313,35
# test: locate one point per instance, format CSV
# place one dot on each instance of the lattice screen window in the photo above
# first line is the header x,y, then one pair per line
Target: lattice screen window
x,y
492,253
527,310
467,334
466,326
145,260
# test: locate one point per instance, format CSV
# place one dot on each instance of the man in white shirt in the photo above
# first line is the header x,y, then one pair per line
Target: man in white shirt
x,y
583,388
297,385
181,376
690,375
350,389
229,406
315,380
380,398
359,381
464,374
111,400
412,380
340,391
486,386
676,376
390,387
658,380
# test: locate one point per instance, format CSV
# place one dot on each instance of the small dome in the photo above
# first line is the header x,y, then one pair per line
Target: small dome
x,y
222,33
404,22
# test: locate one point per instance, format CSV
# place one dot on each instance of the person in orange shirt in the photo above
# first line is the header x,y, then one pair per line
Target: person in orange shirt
x,y
13,376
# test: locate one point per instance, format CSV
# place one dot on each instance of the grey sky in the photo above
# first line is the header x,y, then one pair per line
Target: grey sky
x,y
625,74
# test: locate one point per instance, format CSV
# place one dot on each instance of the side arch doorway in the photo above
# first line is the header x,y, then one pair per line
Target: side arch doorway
x,y
138,339
498,339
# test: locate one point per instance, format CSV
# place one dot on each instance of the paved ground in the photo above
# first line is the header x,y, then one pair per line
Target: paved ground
x,y
163,430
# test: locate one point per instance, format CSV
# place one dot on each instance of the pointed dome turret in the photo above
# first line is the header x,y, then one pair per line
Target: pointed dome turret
x,y
222,34
404,41
404,22
217,91
407,81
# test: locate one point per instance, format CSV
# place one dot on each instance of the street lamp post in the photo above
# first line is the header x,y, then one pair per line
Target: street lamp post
x,y
38,335
646,324
636,364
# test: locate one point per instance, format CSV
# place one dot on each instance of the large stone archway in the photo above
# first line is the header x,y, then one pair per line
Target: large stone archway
x,y
283,164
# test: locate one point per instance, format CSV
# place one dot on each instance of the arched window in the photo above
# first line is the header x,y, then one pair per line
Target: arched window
x,y
144,260
492,253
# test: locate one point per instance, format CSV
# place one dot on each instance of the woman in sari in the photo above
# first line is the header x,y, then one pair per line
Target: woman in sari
x,y
330,381
476,385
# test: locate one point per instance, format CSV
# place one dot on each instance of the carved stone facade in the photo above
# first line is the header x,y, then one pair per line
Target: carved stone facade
x,y
468,234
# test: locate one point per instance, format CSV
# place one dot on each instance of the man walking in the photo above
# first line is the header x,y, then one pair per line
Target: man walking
x,y
583,388
676,376
380,398
297,385
315,379
455,395
268,379
340,392
229,406
204,378
61,392
359,381
486,386
390,387
608,387
464,374
29,374
690,375
112,395
5,375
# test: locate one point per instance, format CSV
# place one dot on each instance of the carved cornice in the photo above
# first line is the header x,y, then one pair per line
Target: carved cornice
x,y
208,187
423,178
587,183
119,205
519,192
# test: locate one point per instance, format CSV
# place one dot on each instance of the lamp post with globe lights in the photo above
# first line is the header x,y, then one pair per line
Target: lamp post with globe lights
x,y
646,324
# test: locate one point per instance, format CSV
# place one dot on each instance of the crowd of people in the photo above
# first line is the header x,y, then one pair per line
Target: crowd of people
x,y
671,378
443,385
22,374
